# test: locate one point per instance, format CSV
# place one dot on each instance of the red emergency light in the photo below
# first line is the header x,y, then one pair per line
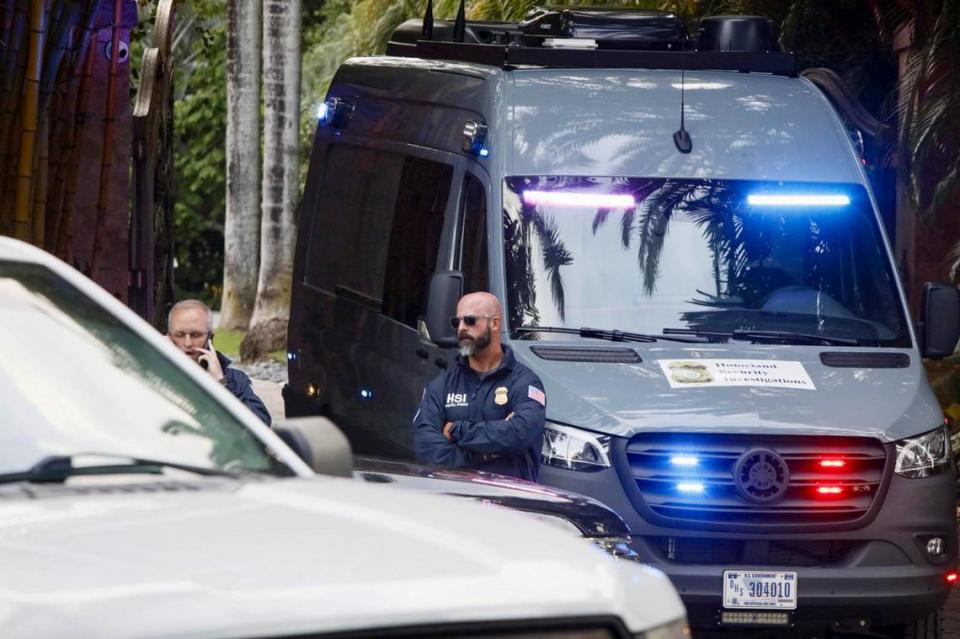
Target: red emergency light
x,y
829,491
951,577
832,463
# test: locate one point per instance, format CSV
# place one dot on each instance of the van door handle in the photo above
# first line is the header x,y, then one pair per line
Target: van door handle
x,y
440,362
422,353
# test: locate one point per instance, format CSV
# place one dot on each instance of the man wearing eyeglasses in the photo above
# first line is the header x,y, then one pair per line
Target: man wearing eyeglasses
x,y
487,411
190,328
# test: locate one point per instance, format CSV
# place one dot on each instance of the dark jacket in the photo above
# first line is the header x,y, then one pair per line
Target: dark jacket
x,y
483,437
238,383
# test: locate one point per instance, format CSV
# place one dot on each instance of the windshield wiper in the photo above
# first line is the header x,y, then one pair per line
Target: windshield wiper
x,y
789,336
609,334
777,337
58,468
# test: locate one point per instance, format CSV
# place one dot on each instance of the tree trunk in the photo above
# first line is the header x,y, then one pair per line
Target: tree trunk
x,y
242,221
281,96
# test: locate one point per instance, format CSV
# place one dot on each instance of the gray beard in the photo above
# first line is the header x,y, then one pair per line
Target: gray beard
x,y
470,347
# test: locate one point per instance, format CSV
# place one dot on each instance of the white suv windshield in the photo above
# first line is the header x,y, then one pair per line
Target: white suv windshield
x,y
74,379
651,254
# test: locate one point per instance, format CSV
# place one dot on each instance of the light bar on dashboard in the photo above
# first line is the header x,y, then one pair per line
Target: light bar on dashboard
x,y
787,199
580,198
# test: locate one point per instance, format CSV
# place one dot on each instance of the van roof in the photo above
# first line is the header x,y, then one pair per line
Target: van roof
x,y
620,122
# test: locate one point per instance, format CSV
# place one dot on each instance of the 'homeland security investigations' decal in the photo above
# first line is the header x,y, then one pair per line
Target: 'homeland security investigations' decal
x,y
688,373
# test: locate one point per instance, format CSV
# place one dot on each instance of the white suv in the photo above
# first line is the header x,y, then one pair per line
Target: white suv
x,y
140,499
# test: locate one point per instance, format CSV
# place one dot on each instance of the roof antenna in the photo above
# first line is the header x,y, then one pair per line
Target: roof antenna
x,y
681,138
427,31
460,26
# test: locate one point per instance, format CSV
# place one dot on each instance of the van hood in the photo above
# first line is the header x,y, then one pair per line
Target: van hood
x,y
223,558
626,399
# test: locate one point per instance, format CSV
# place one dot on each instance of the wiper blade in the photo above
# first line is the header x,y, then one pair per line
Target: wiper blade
x,y
612,335
767,336
788,336
58,468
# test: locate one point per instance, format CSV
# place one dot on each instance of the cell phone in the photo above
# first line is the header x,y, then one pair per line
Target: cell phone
x,y
204,364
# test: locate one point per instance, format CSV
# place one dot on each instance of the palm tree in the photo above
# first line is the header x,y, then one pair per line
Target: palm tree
x,y
242,220
281,132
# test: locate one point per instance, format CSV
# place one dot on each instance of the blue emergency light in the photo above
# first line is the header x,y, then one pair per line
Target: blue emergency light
x,y
798,199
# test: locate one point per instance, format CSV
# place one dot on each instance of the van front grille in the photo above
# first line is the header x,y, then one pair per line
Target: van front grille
x,y
755,552
691,480
697,550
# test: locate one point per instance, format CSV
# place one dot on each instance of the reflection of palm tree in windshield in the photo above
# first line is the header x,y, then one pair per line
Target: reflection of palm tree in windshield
x,y
708,203
740,244
521,289
553,251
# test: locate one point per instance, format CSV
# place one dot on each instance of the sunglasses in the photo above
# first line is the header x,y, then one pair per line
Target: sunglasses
x,y
469,320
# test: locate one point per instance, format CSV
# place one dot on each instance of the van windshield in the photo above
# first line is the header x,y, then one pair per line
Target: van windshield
x,y
649,254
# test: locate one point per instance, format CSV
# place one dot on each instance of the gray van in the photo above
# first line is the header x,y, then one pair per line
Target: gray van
x,y
693,262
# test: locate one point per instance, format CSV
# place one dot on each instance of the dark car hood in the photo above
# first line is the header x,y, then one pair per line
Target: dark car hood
x,y
589,516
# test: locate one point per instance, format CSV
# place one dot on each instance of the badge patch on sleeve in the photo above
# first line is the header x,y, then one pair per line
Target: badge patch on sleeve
x,y
537,395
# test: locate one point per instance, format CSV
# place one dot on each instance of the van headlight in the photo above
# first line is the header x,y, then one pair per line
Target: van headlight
x,y
677,629
574,449
924,455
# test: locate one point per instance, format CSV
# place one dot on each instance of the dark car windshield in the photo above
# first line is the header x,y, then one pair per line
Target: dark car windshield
x,y
74,379
648,254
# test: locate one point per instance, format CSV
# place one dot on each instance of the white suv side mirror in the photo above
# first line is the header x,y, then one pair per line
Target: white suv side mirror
x,y
319,442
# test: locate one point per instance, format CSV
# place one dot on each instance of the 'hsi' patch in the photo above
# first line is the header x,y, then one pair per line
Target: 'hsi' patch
x,y
537,395
457,400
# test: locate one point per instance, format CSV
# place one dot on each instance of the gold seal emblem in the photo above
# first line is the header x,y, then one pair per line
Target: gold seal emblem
x,y
500,396
690,373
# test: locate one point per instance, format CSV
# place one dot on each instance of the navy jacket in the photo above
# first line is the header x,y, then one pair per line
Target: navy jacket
x,y
483,437
238,383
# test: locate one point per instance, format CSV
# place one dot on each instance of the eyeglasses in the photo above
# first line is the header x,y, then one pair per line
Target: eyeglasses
x,y
193,336
469,320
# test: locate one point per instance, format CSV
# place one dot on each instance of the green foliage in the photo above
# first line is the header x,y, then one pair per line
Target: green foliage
x,y
200,120
228,342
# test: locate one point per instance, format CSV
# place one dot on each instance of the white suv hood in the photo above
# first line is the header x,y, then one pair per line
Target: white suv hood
x,y
292,556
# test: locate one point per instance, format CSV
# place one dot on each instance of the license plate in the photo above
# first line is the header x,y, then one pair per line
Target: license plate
x,y
759,589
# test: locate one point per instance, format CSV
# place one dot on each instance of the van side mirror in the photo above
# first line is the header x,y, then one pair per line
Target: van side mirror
x,y
317,441
940,319
446,288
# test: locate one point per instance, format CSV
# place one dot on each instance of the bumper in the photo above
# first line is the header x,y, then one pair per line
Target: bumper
x,y
883,576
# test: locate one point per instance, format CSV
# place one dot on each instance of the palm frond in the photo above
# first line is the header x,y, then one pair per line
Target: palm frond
x,y
626,226
599,220
555,255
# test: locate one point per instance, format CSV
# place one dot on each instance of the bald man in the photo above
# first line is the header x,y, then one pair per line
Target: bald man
x,y
487,412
